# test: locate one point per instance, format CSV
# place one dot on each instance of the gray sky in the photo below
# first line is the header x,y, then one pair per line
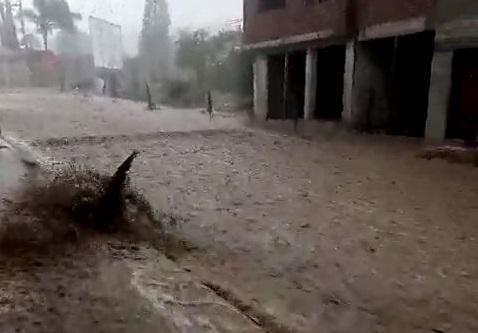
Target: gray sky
x,y
184,13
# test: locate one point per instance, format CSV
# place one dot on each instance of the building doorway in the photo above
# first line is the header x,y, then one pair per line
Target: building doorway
x,y
295,85
393,80
286,85
463,113
275,86
330,83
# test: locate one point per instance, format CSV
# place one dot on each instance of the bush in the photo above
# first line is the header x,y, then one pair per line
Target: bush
x,y
181,93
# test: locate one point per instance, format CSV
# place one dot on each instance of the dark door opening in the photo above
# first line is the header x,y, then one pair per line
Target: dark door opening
x,y
410,83
276,86
330,83
295,86
463,113
393,80
286,86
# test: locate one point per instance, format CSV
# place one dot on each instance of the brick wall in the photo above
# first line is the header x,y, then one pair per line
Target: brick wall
x,y
295,19
371,12
334,15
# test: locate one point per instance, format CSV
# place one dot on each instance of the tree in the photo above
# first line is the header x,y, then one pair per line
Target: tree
x,y
155,44
194,53
8,32
215,60
50,15
231,69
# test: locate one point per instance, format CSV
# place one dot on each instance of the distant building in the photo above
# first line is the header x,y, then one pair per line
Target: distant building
x,y
408,67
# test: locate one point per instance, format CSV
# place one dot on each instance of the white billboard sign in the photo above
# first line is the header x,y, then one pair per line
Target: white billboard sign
x,y
107,44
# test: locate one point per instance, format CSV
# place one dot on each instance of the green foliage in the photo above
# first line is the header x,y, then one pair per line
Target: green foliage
x,y
233,74
155,43
193,53
134,83
74,43
215,60
181,93
49,15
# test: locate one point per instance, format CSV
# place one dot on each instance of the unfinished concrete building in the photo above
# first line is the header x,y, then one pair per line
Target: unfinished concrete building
x,y
406,67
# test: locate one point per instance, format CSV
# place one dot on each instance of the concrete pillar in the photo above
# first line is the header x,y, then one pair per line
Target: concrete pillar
x,y
439,96
310,84
261,87
347,114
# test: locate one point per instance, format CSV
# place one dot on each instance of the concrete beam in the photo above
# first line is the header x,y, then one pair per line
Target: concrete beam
x,y
296,39
439,97
461,33
310,84
261,91
392,29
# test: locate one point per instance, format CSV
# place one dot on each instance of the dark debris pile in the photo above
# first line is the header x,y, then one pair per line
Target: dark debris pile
x,y
75,200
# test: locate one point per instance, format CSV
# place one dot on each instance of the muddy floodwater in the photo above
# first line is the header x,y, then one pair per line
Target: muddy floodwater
x,y
333,232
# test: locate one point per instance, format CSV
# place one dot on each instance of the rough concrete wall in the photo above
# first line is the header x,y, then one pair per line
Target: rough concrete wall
x,y
260,87
456,23
450,10
296,19
440,89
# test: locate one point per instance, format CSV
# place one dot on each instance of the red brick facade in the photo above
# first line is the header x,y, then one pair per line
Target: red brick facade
x,y
336,16
295,19
371,12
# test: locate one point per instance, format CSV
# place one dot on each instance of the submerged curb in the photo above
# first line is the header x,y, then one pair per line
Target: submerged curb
x,y
25,153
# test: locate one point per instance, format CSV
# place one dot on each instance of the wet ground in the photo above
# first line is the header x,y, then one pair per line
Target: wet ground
x,y
333,233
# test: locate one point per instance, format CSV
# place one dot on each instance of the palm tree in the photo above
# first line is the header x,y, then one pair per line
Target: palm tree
x,y
49,15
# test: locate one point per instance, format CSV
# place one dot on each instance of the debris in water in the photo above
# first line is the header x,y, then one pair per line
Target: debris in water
x,y
52,208
210,108
74,202
149,97
454,154
111,204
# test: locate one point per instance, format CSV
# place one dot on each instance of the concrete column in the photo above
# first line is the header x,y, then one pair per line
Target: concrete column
x,y
347,114
310,84
261,87
439,96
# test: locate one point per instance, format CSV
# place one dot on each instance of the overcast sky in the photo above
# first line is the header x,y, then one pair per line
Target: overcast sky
x,y
184,13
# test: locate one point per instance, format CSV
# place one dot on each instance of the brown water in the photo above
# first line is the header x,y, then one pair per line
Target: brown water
x,y
337,233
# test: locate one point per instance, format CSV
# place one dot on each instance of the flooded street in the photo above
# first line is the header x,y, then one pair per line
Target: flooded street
x,y
335,232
